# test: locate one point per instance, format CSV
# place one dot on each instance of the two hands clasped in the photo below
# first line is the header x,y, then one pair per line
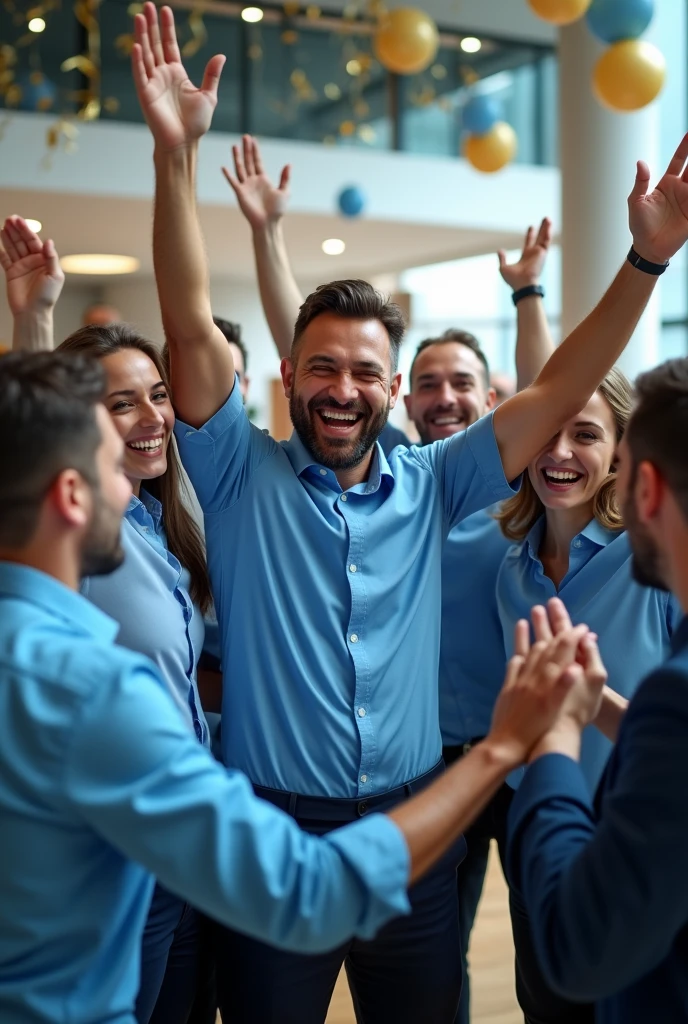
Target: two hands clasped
x,y
554,688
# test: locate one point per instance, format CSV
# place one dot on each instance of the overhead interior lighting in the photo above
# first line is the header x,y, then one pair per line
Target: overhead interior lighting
x,y
471,45
33,225
333,246
252,14
37,25
99,263
353,67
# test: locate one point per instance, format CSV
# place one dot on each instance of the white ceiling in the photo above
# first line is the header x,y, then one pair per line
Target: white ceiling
x,y
80,223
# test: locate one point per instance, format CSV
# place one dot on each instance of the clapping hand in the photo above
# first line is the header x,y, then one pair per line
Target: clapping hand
x,y
176,112
32,269
259,200
528,268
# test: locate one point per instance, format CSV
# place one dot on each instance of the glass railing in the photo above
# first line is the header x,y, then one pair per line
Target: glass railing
x,y
297,74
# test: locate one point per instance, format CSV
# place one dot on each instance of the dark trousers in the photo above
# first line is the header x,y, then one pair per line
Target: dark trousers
x,y
170,958
408,974
491,824
539,1003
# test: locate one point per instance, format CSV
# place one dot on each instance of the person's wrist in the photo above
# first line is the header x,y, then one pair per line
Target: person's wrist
x,y
648,254
181,153
503,752
563,738
39,312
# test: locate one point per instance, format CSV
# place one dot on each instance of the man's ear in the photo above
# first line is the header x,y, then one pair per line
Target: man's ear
x,y
490,399
71,498
649,491
287,371
394,390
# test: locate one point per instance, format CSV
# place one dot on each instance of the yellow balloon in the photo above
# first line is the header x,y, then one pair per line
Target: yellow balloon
x,y
559,12
406,41
629,75
493,151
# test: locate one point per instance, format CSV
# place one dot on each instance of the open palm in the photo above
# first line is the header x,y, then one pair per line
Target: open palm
x,y
33,273
259,200
527,269
659,219
176,112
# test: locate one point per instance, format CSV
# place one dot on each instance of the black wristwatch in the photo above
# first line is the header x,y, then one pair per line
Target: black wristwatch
x,y
647,268
523,293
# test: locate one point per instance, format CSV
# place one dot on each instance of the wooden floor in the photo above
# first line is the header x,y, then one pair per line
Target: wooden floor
x,y
492,973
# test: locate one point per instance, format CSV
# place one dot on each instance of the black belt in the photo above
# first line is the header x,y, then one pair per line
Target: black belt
x,y
322,808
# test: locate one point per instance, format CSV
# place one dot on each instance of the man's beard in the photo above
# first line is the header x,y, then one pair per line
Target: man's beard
x,y
337,452
646,562
102,550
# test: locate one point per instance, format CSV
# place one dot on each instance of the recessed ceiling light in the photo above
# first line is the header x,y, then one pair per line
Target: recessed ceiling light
x,y
252,14
99,263
471,45
37,25
333,246
33,225
353,67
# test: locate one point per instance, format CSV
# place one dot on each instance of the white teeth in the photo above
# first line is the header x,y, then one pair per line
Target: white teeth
x,y
561,476
329,414
146,446
444,421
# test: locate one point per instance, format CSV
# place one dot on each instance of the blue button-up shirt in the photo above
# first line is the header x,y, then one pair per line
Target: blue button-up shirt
x,y
472,658
391,437
634,623
149,597
605,886
100,774
329,602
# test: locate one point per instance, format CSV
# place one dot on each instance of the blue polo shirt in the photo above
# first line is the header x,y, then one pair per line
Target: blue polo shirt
x,y
329,602
149,597
472,658
102,782
634,623
605,884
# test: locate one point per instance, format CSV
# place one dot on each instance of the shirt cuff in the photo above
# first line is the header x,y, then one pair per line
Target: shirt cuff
x,y
480,437
550,778
223,419
376,851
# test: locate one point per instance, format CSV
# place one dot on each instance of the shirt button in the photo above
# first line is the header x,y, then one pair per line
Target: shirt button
x,y
344,497
354,638
364,778
323,472
361,712
352,568
577,542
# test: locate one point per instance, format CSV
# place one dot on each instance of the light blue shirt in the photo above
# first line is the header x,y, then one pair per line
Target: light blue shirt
x,y
329,602
149,597
100,774
472,658
634,624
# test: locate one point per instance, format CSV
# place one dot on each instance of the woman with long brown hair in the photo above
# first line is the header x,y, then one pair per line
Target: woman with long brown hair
x,y
570,543
160,593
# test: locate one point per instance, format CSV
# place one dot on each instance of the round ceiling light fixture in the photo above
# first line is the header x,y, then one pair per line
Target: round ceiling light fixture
x,y
99,263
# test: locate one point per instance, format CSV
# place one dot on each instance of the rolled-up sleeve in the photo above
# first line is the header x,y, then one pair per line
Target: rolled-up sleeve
x,y
469,470
607,897
222,455
147,787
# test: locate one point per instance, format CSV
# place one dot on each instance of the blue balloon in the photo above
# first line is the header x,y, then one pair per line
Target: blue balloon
x,y
480,115
614,20
37,91
351,201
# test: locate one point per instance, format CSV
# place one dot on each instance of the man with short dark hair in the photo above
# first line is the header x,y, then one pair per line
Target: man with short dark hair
x,y
604,881
325,556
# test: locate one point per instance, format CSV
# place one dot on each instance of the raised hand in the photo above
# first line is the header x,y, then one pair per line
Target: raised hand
x,y
176,112
659,219
528,268
32,269
260,202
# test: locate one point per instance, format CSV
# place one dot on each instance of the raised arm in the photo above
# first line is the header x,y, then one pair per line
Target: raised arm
x,y
178,115
34,280
534,343
659,226
263,206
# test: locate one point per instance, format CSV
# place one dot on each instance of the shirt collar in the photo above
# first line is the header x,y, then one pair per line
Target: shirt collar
x,y
145,503
302,459
37,588
597,534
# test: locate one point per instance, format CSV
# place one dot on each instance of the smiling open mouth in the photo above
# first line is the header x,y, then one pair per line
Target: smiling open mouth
x,y
153,447
339,421
446,420
560,478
